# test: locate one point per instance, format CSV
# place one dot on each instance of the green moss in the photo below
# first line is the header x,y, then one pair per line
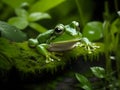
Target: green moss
x,y
81,51
28,60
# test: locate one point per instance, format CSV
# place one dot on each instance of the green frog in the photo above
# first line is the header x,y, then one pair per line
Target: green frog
x,y
61,38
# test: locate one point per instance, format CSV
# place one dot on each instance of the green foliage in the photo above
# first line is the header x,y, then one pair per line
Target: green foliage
x,y
24,19
37,27
34,12
84,82
44,5
110,82
112,43
98,72
18,22
110,30
38,16
20,12
30,12
93,30
17,3
12,33
114,29
85,14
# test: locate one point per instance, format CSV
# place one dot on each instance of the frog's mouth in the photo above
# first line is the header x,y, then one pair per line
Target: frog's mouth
x,y
62,45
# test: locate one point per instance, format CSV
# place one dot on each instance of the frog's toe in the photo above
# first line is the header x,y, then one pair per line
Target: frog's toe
x,y
48,60
53,55
88,48
91,48
95,46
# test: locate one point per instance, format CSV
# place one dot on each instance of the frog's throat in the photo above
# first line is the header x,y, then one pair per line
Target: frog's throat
x,y
62,46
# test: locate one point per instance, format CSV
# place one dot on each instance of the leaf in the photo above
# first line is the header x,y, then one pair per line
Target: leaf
x,y
44,5
85,84
37,27
12,33
16,3
115,26
98,72
38,16
93,30
19,22
85,13
21,12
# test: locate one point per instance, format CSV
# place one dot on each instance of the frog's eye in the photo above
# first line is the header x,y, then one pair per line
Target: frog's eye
x,y
59,29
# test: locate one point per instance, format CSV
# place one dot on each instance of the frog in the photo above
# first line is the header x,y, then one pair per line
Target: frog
x,y
61,38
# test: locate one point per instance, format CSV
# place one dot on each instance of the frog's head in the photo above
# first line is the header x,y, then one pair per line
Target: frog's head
x,y
65,36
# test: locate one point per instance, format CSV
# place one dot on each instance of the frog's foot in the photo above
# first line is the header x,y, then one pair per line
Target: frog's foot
x,y
51,57
89,46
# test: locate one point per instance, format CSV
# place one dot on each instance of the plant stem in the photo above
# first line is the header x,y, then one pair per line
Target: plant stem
x,y
82,22
107,49
118,57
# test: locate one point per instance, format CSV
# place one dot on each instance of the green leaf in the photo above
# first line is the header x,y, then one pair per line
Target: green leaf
x,y
115,26
85,84
21,12
38,16
44,5
37,27
85,13
98,72
93,30
19,22
12,33
16,3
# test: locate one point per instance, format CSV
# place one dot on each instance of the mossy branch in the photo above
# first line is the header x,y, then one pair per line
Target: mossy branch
x,y
28,60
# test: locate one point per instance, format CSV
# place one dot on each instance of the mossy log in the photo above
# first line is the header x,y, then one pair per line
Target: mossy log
x,y
26,61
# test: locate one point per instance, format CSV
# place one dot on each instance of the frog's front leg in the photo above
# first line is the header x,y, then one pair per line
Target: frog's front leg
x,y
88,45
42,49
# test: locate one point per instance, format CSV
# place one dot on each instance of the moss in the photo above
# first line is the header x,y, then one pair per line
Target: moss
x,y
81,51
27,60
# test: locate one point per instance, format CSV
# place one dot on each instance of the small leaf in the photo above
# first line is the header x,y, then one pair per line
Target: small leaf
x,y
21,12
44,5
98,72
19,22
38,16
85,84
115,26
37,27
16,3
12,33
93,30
